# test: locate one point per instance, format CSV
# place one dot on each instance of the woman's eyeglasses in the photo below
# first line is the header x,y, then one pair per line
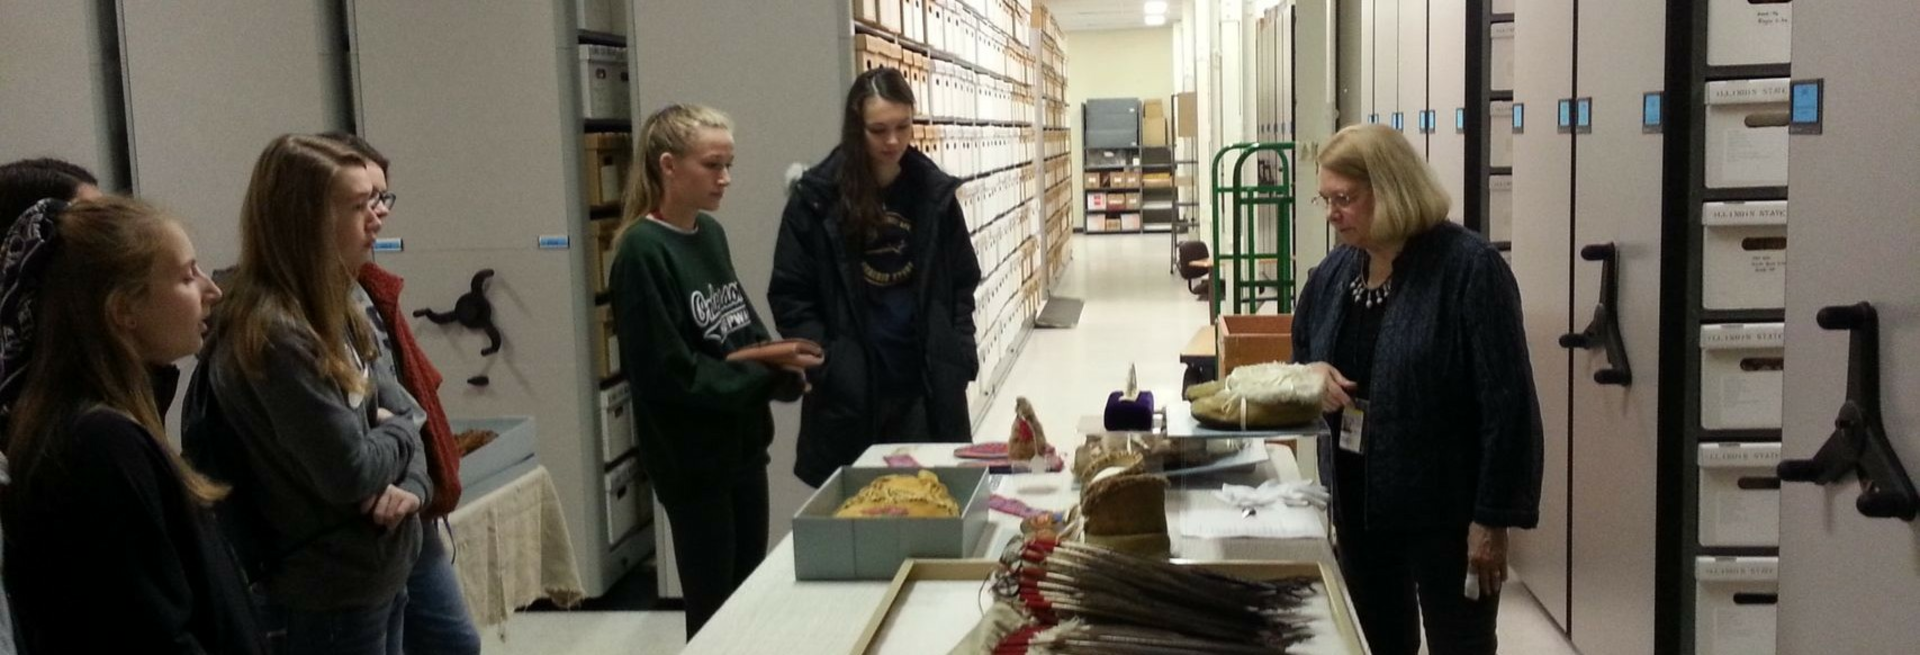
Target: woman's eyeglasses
x,y
384,199
1336,201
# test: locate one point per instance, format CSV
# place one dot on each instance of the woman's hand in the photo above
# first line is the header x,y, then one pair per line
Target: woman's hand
x,y
789,353
1487,557
390,507
1337,388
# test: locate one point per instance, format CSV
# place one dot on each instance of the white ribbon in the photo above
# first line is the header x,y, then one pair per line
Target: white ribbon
x,y
1297,493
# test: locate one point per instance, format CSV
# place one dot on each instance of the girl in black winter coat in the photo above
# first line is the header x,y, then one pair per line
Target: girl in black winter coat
x,y
111,547
875,263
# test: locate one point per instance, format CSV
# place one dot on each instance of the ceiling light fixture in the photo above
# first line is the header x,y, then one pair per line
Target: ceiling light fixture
x,y
1156,20
1156,7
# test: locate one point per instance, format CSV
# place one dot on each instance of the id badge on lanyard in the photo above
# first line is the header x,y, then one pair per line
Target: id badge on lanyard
x,y
1353,423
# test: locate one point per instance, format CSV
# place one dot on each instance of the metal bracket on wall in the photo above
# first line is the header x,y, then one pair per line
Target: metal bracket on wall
x,y
1859,443
1604,330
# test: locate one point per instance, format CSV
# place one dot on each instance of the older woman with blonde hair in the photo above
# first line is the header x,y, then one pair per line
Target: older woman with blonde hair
x,y
1415,322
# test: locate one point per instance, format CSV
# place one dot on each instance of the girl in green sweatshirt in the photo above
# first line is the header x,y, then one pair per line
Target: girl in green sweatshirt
x,y
688,333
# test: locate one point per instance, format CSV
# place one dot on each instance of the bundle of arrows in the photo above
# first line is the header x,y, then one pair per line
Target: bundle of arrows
x,y
1086,599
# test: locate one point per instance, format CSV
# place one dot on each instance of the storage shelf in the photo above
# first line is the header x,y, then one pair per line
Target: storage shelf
x,y
1500,96
590,37
1717,73
1500,170
861,27
1711,316
608,383
1059,129
1158,228
968,122
594,125
1500,18
993,172
1058,156
1739,436
1736,551
1748,194
1135,210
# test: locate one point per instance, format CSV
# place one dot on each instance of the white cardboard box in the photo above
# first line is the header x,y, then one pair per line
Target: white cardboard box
x,y
1500,208
1740,375
1744,248
1502,65
1742,32
625,488
616,422
1739,494
1735,605
1747,133
1500,123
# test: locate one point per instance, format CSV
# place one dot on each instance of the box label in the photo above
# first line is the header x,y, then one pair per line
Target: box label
x,y
1750,336
1744,214
553,242
1737,569
1739,455
389,245
1734,92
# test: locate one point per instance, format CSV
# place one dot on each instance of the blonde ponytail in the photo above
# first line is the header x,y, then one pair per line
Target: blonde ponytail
x,y
673,129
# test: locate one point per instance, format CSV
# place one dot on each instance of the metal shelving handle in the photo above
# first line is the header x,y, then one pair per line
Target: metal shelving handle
x,y
1859,442
1604,330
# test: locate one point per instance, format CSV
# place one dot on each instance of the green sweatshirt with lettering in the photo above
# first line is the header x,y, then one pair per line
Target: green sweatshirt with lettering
x,y
679,309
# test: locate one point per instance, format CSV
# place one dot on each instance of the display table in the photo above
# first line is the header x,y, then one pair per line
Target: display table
x,y
511,548
1201,356
774,611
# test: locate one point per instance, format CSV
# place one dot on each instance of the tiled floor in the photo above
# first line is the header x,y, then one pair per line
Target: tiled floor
x,y
1136,314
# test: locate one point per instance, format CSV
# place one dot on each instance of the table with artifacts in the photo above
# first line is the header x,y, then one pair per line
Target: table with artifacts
x,y
1184,528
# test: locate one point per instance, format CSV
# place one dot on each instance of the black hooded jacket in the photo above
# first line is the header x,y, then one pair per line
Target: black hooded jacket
x,y
817,293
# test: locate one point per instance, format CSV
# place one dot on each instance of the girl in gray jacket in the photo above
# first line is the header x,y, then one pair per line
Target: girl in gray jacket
x,y
331,441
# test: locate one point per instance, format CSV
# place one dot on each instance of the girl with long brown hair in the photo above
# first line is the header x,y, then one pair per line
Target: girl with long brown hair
x,y
331,442
899,334
104,519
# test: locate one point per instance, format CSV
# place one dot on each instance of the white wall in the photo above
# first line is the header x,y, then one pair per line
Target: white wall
x,y
1114,64
60,99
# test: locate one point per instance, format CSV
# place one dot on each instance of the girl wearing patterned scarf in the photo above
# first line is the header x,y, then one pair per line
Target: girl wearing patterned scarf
x,y
97,300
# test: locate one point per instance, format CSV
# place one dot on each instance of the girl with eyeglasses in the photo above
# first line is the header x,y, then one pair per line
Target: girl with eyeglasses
x,y
331,453
437,620
111,545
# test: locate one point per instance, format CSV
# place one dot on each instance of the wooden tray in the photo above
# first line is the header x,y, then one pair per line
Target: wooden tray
x,y
1336,629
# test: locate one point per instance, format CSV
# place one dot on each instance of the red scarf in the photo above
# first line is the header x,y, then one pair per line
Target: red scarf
x,y
423,381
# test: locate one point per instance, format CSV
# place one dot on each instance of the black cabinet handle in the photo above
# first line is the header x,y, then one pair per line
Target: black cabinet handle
x,y
1859,443
1757,483
1747,598
1604,330
472,311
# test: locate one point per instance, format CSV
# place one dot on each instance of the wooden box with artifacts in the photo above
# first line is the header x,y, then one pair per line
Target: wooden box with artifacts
x,y
863,522
1045,597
